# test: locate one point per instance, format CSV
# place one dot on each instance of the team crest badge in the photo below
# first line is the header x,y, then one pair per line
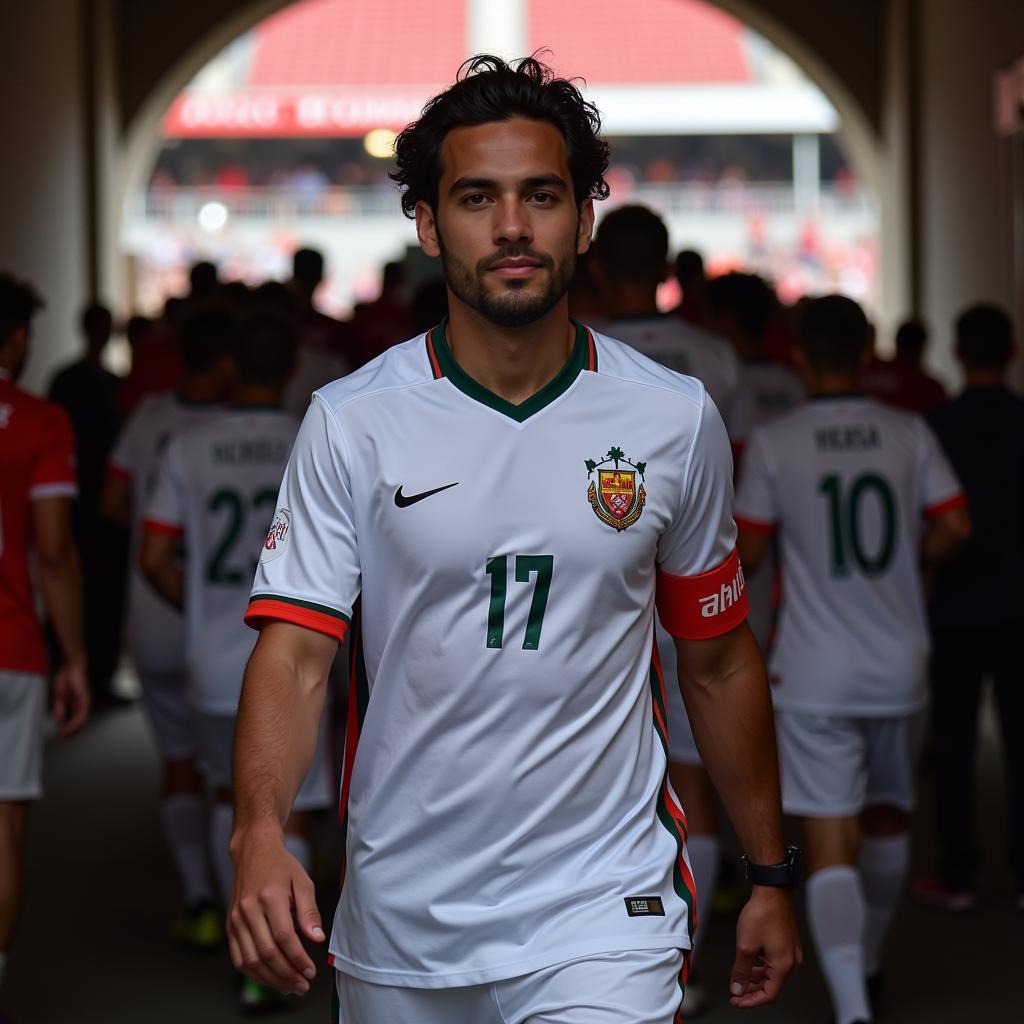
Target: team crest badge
x,y
277,536
616,494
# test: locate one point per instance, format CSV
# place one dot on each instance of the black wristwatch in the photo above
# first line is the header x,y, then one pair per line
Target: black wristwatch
x,y
783,876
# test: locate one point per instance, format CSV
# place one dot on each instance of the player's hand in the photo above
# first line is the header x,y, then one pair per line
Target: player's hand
x,y
767,948
270,887
71,700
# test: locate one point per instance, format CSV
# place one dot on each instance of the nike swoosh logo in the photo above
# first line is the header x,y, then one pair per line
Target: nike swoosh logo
x,y
405,500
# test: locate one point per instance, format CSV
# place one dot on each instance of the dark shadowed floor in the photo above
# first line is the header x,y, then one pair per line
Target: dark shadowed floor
x,y
93,944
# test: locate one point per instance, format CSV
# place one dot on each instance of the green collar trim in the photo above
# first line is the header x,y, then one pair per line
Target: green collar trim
x,y
583,357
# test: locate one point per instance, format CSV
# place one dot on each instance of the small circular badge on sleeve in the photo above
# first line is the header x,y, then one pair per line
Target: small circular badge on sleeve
x,y
277,536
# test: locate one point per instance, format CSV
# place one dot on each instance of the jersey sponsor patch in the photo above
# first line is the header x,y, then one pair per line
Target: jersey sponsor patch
x,y
704,606
617,497
644,906
277,536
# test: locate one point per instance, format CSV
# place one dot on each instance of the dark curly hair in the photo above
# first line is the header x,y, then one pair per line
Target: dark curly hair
x,y
488,89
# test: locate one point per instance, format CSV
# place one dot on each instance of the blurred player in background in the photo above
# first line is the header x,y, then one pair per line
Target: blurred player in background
x,y
88,393
977,608
37,484
630,261
903,380
216,488
325,350
156,629
858,494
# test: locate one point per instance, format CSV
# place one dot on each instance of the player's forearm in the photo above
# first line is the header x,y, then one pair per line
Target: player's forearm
x,y
276,733
944,536
162,572
730,711
115,501
60,580
169,582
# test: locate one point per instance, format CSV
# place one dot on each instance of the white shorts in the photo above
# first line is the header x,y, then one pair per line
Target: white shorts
x,y
22,710
216,735
634,987
171,718
834,767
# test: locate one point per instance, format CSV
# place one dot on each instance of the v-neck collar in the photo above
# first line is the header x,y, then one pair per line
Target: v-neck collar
x,y
442,362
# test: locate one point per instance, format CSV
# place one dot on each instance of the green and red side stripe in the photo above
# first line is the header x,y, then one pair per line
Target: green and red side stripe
x,y
671,815
358,698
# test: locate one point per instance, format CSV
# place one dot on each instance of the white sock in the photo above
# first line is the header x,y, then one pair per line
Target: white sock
x,y
184,820
221,822
704,853
298,847
884,862
836,913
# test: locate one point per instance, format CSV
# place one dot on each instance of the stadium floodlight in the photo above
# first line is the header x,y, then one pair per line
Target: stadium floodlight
x,y
212,217
380,143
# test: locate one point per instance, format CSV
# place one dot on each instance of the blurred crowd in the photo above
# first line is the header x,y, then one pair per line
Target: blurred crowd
x,y
731,331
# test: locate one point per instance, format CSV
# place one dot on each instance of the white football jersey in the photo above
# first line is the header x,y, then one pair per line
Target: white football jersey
x,y
156,631
217,486
507,804
682,347
847,483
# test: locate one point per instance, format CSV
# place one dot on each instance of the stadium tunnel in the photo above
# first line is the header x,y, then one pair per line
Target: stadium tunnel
x,y
913,82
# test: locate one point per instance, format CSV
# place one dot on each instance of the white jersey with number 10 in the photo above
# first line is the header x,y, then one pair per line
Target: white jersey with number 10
x,y
848,483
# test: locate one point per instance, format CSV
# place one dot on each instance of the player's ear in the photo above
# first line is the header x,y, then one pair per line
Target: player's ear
x,y
585,229
426,229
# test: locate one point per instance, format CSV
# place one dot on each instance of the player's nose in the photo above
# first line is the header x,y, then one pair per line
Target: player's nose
x,y
511,222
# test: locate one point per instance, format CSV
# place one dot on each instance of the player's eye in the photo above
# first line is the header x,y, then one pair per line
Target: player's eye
x,y
543,198
474,199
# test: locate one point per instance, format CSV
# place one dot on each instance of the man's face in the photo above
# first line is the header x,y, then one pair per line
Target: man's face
x,y
506,225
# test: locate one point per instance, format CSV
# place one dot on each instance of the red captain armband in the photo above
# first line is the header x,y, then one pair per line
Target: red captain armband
x,y
704,606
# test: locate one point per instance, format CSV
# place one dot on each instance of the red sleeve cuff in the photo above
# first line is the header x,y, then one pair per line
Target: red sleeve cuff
x,y
168,529
704,606
265,608
756,525
118,472
942,507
